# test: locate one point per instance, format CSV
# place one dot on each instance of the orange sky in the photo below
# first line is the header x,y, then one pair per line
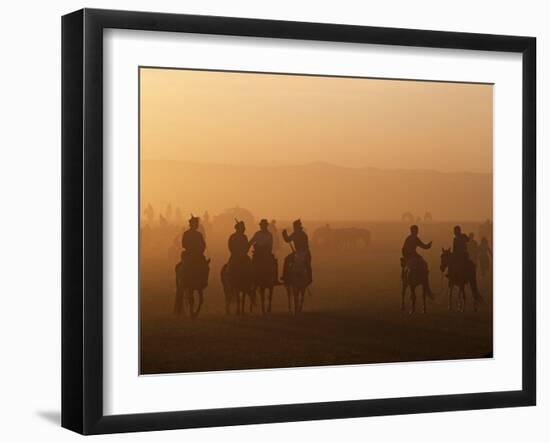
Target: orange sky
x,y
262,119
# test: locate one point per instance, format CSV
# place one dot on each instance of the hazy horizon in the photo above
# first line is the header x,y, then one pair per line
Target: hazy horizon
x,y
325,192
313,163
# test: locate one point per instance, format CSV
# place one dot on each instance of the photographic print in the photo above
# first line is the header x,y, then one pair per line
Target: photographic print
x,y
291,220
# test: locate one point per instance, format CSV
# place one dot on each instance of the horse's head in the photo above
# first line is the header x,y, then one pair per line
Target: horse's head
x,y
445,259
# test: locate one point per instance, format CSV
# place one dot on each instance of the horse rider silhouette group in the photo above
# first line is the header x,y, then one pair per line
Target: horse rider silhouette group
x,y
460,267
244,273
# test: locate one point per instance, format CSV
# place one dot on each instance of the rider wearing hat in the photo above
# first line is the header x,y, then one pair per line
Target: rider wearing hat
x,y
239,261
301,246
192,240
262,241
194,265
411,258
238,242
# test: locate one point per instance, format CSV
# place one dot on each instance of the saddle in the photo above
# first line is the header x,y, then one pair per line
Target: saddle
x,y
297,266
239,271
414,263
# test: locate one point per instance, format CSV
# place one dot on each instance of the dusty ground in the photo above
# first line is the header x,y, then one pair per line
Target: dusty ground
x,y
352,316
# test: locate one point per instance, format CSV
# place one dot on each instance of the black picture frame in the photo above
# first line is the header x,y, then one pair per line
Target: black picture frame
x,y
82,218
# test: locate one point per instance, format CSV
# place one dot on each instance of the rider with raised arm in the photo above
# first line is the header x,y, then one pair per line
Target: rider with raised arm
x,y
301,246
411,257
411,243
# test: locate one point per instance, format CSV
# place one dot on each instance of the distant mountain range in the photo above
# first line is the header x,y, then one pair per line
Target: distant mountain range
x,y
317,191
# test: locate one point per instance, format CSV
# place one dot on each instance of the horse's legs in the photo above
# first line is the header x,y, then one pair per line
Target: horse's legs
x,y
227,301
475,301
424,292
296,295
262,299
177,303
403,291
186,302
190,300
270,299
240,301
192,303
450,297
289,296
252,296
301,293
201,300
413,300
462,295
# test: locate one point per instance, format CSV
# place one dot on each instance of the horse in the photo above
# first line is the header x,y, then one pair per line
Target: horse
x,y
264,275
460,275
297,278
341,238
414,272
192,276
237,285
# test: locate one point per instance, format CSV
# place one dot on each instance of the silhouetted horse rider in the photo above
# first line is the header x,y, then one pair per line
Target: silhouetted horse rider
x,y
460,255
263,260
415,263
238,244
194,267
411,256
239,272
301,248
192,240
460,248
461,269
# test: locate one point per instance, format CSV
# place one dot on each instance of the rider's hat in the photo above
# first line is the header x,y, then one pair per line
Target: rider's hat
x,y
193,219
264,222
297,223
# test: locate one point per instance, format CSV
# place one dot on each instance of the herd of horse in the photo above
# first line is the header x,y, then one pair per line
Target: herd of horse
x,y
258,283
250,280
